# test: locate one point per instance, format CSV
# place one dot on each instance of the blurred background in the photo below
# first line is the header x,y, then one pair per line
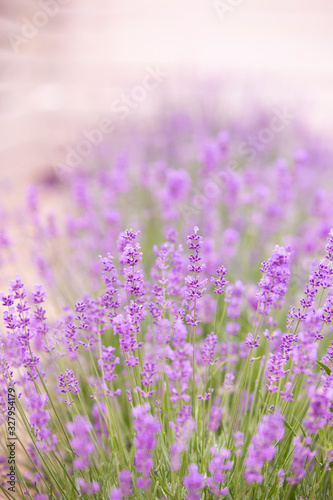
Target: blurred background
x,y
67,65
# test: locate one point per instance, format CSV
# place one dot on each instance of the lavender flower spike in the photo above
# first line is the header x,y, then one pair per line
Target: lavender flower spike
x,y
262,448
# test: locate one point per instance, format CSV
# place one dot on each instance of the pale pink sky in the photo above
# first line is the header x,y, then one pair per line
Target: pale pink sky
x,y
70,72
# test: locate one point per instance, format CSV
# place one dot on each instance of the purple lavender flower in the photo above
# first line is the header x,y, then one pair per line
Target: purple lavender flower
x,y
116,494
301,455
274,284
99,413
238,442
209,347
129,258
233,298
180,368
194,287
125,489
145,441
228,384
38,295
286,395
88,489
220,281
110,299
20,292
275,371
329,247
69,383
184,427
206,396
262,448
215,418
39,417
320,410
108,363
81,442
281,475
167,273
131,255
145,394
148,372
71,337
304,352
218,467
126,238
251,342
194,243
194,482
175,189
127,332
125,482
7,300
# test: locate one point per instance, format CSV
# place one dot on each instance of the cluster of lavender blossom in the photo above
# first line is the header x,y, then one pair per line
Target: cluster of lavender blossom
x,y
172,362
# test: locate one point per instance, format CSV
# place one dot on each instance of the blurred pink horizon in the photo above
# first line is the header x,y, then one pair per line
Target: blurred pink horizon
x,y
68,74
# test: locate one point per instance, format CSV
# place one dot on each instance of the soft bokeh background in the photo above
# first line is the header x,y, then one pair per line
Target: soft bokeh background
x,y
67,75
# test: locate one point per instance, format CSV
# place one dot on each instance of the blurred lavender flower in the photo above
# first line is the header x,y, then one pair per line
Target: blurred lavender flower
x,y
274,284
81,442
262,447
145,441
194,482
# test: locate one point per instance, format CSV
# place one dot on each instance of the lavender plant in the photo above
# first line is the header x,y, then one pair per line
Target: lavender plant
x,y
151,410
184,363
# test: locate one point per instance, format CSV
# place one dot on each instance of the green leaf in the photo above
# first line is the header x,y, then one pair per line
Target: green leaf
x,y
300,424
324,367
261,397
292,494
289,427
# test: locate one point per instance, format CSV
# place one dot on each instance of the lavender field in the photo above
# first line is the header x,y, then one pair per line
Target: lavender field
x,y
167,323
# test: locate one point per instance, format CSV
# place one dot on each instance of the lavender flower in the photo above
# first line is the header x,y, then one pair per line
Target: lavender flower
x,y
262,448
274,370
125,482
89,489
215,418
275,282
220,281
238,442
179,355
233,298
148,373
209,348
116,494
251,342
69,383
184,427
300,456
194,482
81,443
319,413
281,475
194,287
218,467
39,416
145,441
108,362
129,258
287,395
110,299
